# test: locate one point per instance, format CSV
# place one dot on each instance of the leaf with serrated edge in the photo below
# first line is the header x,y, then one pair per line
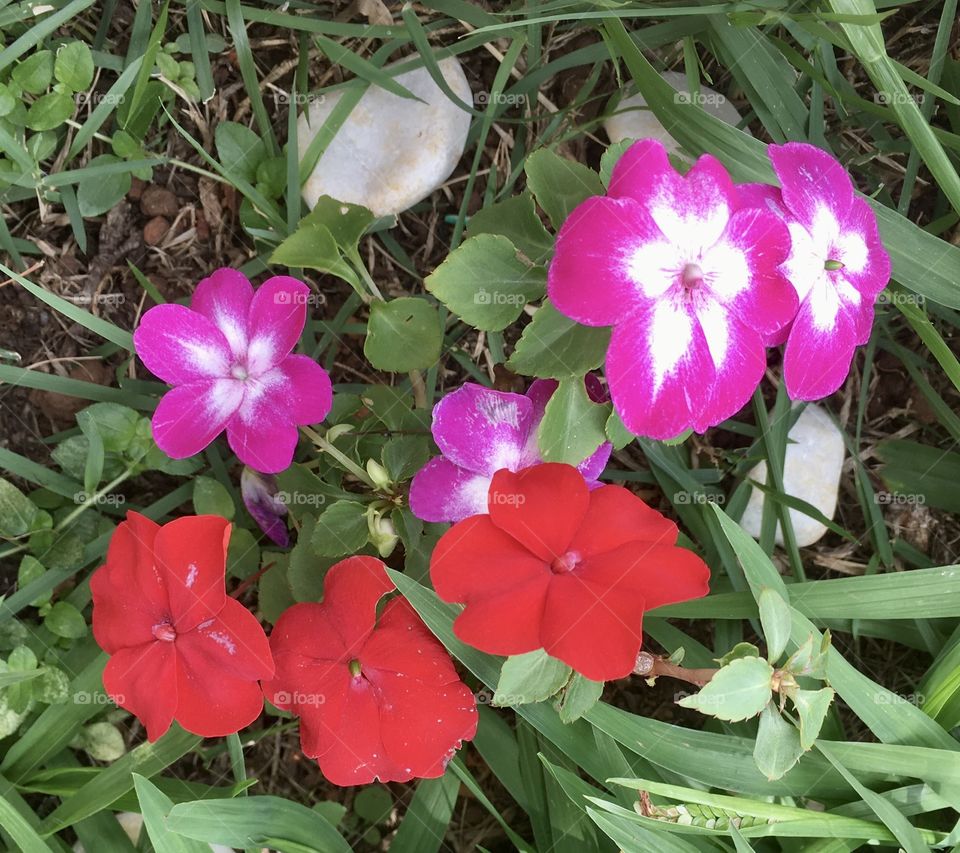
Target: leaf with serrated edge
x,y
738,691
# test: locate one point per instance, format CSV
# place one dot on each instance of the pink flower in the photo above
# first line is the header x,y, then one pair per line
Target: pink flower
x,y
479,431
228,358
689,280
837,266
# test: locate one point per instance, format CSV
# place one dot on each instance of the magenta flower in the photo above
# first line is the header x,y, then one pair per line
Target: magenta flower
x,y
228,358
688,278
266,504
480,431
837,265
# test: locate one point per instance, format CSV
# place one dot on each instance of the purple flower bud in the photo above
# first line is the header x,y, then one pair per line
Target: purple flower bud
x,y
265,504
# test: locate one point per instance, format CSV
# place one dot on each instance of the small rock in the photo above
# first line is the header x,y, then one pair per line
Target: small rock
x,y
632,120
811,472
158,201
137,185
155,230
391,152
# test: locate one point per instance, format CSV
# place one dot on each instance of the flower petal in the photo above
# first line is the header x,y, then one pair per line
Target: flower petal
x,y
507,622
617,516
278,312
120,619
815,188
866,264
351,591
224,298
659,371
212,704
305,385
189,417
262,432
821,345
441,491
232,642
483,430
610,256
541,507
180,345
191,554
143,679
592,467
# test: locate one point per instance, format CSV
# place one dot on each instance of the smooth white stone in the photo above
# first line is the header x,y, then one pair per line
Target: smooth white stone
x,y
390,152
811,472
631,119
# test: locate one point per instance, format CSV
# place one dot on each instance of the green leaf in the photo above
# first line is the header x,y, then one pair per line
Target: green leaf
x,y
553,346
516,219
578,697
609,159
52,687
24,836
808,659
7,100
34,74
404,455
740,650
30,570
251,821
49,111
341,529
17,511
74,66
239,149
243,553
738,691
427,816
778,744
314,247
573,425
485,284
373,804
776,623
210,497
96,195
116,424
101,741
66,621
403,334
531,677
559,185
812,707
346,222
617,434
155,806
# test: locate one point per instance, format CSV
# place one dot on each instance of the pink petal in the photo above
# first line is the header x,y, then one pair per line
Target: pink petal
x,y
866,264
224,298
189,417
143,679
304,386
606,261
592,467
277,316
815,187
659,371
442,491
262,439
821,345
483,430
761,195
179,345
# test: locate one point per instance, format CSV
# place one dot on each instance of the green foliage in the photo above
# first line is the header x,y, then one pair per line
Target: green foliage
x,y
531,677
403,334
740,690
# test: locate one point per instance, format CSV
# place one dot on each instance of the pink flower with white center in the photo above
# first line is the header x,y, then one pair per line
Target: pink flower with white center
x,y
837,265
480,431
228,358
688,278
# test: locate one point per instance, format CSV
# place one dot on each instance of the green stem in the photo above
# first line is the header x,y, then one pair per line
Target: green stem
x,y
344,460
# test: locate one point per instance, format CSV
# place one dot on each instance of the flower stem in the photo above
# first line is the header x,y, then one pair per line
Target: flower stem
x,y
351,466
652,666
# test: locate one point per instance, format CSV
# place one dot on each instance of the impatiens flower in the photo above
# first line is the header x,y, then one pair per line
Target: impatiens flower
x,y
265,504
560,567
688,279
837,264
377,698
228,358
180,648
479,431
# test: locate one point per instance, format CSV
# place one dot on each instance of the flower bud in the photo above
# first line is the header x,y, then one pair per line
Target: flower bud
x,y
259,492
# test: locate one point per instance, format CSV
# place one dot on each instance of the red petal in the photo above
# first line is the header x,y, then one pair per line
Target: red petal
x,y
121,620
402,643
351,591
191,553
421,725
542,507
232,643
315,692
617,516
143,679
213,704
508,623
305,629
474,559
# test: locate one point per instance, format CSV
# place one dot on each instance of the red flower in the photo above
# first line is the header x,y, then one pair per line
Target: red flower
x,y
377,699
179,648
559,567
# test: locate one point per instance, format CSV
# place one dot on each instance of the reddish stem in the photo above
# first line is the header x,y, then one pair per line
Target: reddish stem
x,y
653,666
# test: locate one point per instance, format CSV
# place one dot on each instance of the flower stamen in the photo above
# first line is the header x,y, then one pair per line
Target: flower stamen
x,y
165,632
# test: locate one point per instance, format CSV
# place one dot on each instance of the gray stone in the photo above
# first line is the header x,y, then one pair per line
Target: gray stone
x,y
390,152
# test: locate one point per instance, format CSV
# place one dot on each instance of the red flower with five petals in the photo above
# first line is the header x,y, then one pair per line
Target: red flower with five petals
x,y
377,698
559,567
180,648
